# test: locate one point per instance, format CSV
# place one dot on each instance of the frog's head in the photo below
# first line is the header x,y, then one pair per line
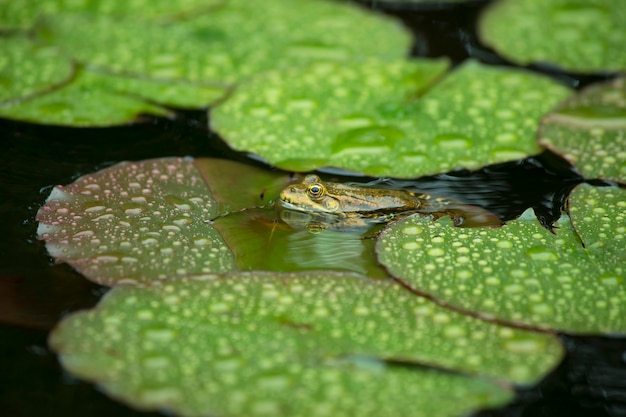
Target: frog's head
x,y
310,195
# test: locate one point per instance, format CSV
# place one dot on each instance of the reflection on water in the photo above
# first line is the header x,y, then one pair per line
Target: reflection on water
x,y
329,249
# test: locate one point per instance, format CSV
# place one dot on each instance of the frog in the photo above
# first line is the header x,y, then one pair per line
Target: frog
x,y
319,205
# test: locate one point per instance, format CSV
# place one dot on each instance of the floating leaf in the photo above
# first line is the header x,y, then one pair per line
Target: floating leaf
x,y
135,222
589,129
255,345
579,36
236,186
285,33
228,43
88,101
387,118
23,14
521,272
27,69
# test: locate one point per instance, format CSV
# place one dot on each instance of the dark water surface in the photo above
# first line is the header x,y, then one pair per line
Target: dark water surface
x,y
35,293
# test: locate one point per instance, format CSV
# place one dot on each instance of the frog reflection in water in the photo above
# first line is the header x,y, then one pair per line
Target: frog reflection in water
x,y
318,205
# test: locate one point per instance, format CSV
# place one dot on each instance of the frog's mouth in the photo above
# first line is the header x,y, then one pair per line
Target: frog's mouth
x,y
285,204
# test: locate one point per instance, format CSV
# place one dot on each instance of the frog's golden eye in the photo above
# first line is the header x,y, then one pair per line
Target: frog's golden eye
x,y
315,191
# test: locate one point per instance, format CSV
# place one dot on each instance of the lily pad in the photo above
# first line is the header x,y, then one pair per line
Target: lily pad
x,y
589,130
521,272
24,13
135,222
229,43
264,344
397,119
236,186
27,69
578,36
81,103
98,99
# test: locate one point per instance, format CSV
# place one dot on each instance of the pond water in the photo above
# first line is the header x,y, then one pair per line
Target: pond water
x,y
35,293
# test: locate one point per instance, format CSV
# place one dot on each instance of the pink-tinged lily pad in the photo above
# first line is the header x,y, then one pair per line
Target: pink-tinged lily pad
x,y
135,222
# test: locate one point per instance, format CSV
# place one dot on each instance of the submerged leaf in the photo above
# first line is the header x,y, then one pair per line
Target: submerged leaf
x,y
294,345
578,36
135,222
387,118
521,272
589,130
27,69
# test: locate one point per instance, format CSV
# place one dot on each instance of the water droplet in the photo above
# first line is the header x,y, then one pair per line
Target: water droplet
x,y
93,207
523,345
171,228
504,244
149,241
155,362
435,252
413,230
610,279
361,311
371,140
453,141
508,154
543,309
159,334
162,395
354,121
219,308
83,233
415,158
518,273
540,253
513,288
463,274
411,246
178,202
453,331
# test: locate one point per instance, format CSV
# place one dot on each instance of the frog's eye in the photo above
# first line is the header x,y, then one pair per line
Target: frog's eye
x,y
315,191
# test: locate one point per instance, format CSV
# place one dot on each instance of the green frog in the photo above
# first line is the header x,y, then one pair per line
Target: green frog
x,y
318,205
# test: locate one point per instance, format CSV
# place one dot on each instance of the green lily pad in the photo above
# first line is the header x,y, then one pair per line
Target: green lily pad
x,y
265,344
87,101
135,222
589,129
24,13
27,69
393,119
579,36
521,272
229,43
286,33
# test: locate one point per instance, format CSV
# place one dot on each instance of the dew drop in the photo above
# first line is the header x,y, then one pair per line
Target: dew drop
x,y
610,280
413,230
504,244
523,345
453,141
435,252
159,334
411,245
540,253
